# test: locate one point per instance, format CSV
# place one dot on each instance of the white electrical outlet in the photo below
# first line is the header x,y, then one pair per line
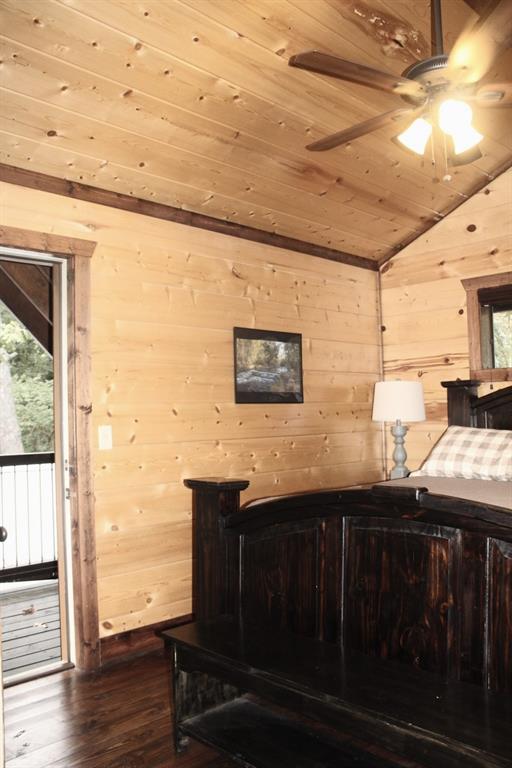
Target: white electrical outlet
x,y
105,437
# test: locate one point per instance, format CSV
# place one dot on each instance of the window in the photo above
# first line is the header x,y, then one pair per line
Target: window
x,y
489,307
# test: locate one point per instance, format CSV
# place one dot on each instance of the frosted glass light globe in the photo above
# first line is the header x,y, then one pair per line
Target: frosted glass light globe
x,y
415,137
453,115
465,139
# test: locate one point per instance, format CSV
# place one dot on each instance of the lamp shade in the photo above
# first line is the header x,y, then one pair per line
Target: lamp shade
x,y
401,400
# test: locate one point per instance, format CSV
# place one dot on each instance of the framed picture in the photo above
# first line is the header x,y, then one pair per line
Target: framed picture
x,y
268,366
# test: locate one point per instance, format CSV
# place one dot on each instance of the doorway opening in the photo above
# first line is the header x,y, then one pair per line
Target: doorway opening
x,y
35,574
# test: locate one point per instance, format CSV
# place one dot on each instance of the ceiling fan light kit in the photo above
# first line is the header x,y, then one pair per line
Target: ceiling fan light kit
x,y
454,118
436,90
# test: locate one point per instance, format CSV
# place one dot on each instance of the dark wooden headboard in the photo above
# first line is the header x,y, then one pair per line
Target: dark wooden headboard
x,y
466,409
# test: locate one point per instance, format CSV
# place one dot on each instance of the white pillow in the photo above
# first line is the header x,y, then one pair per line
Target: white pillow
x,y
481,454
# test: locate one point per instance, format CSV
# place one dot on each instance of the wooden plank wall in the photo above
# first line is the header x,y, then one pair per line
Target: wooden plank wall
x,y
165,298
424,303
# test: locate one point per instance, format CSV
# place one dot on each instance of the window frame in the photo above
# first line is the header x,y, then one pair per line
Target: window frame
x,y
472,286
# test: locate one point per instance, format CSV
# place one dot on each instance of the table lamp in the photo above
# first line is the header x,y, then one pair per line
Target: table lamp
x,y
398,401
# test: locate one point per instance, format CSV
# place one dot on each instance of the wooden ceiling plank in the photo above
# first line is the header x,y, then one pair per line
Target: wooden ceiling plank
x,y
416,16
380,40
143,76
55,126
320,81
213,10
283,30
219,50
223,52
40,74
189,218
24,154
399,41
107,96
383,196
455,15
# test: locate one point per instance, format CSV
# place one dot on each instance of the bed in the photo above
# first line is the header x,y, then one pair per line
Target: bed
x,y
408,582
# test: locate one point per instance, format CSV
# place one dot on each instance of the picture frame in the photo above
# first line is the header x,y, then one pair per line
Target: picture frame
x,y
268,366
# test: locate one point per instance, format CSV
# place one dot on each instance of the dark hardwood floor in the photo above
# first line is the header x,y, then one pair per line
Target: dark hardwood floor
x,y
117,719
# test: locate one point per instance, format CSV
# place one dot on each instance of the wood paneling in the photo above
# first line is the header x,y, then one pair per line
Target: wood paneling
x,y
400,583
268,598
424,301
191,103
165,298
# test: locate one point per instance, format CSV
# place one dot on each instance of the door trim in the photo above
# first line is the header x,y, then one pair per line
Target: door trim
x,y
77,253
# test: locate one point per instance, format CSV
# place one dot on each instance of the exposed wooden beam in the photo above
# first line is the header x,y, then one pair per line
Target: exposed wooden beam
x,y
30,304
35,281
57,186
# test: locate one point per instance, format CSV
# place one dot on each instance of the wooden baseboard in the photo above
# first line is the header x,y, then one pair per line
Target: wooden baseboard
x,y
136,642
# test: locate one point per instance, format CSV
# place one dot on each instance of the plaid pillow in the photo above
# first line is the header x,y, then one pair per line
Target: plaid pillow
x,y
482,454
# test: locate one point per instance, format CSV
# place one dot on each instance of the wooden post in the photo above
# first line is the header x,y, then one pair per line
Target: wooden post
x,y
460,395
215,559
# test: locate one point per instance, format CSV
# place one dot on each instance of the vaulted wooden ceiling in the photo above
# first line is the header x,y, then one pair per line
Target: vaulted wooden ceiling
x,y
191,103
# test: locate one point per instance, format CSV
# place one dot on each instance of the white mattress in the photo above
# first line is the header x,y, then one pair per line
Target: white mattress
x,y
487,491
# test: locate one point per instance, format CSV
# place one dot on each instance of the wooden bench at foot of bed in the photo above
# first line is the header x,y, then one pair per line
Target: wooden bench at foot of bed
x,y
260,697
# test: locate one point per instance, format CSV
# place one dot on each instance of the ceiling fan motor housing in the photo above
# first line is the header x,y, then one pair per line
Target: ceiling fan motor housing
x,y
430,73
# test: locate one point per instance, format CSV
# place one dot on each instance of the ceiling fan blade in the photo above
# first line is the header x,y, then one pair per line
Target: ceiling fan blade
x,y
476,49
349,134
494,95
326,64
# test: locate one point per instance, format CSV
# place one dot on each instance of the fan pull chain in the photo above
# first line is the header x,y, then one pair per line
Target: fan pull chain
x,y
446,176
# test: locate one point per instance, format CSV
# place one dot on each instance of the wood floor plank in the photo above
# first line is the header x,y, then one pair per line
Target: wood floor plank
x,y
82,692
34,593
26,606
31,661
118,718
43,638
30,627
37,616
38,627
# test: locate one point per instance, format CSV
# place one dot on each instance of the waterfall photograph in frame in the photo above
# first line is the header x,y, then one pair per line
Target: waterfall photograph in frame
x,y
268,366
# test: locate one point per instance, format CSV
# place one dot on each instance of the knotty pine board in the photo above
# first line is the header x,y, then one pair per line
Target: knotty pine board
x,y
164,300
424,303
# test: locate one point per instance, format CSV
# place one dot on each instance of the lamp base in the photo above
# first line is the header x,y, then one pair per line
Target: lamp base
x,y
398,472
399,432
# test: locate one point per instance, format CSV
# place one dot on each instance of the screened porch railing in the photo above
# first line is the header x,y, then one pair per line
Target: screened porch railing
x,y
27,510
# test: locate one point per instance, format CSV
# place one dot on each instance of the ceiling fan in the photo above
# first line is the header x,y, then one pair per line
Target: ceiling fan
x,y
438,92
